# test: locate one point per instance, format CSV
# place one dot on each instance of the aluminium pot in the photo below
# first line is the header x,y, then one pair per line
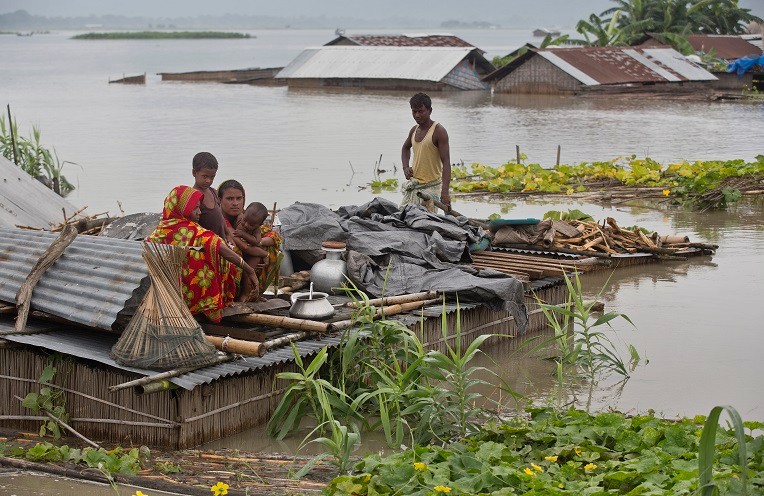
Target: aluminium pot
x,y
315,308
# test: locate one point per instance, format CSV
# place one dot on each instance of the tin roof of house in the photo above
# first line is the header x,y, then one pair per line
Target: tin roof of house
x,y
90,284
377,62
727,47
594,66
403,40
25,201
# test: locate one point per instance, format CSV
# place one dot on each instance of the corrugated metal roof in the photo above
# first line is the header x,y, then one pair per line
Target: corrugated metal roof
x,y
96,346
405,40
375,62
24,201
622,65
92,281
679,64
569,69
727,47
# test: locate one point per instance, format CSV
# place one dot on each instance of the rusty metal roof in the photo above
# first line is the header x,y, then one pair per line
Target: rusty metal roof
x,y
25,201
404,40
616,65
727,47
94,280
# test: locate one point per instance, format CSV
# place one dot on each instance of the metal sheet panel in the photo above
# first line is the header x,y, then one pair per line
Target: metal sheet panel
x,y
679,64
569,69
727,47
375,62
24,201
96,346
89,284
652,65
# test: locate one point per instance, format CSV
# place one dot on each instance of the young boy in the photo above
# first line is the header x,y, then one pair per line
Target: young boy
x,y
257,242
204,167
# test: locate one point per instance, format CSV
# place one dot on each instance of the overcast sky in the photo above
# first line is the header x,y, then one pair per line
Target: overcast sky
x,y
554,12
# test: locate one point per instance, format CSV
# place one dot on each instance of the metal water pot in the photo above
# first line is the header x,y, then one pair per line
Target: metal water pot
x,y
311,306
328,275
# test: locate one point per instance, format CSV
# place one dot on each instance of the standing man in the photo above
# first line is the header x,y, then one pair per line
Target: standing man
x,y
431,169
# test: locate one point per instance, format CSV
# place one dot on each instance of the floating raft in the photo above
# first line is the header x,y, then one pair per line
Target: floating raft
x,y
139,79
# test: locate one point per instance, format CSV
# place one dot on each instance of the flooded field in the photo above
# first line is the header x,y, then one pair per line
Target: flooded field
x,y
697,322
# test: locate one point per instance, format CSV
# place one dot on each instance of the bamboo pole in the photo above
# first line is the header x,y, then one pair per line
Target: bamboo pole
x,y
385,311
54,251
238,346
558,154
282,340
155,387
165,375
390,300
280,321
450,211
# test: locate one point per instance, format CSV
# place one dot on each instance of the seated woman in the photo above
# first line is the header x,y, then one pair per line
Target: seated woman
x,y
232,196
211,276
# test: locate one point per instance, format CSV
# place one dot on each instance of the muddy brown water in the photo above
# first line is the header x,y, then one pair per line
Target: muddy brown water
x,y
698,322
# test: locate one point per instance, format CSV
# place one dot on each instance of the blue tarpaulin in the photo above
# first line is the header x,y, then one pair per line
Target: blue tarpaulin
x,y
743,65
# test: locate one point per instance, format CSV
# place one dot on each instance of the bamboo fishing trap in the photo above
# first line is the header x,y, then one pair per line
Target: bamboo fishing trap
x,y
163,334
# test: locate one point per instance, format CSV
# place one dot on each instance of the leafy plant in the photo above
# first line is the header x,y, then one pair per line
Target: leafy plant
x,y
48,400
589,348
33,158
562,452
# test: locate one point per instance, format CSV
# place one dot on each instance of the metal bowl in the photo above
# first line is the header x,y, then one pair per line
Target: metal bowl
x,y
305,307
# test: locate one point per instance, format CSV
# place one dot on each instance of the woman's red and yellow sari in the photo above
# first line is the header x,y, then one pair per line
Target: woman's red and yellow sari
x,y
209,281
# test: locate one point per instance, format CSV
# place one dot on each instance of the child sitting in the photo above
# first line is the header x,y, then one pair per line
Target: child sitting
x,y
258,243
204,167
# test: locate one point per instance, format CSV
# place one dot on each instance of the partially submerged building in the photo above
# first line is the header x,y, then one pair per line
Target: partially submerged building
x,y
400,40
413,68
600,70
727,48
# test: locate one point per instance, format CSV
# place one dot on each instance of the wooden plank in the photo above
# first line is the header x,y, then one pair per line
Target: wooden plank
x,y
240,308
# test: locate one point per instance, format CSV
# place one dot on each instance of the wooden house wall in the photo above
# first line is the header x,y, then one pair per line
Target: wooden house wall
x,y
465,77
179,418
538,76
730,81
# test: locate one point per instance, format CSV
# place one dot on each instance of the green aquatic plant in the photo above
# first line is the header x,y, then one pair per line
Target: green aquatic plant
x,y
162,35
48,400
564,452
34,158
581,343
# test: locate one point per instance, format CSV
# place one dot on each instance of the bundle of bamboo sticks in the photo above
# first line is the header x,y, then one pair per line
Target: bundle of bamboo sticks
x,y
163,334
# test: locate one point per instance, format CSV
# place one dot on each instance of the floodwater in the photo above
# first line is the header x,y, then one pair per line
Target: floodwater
x,y
697,322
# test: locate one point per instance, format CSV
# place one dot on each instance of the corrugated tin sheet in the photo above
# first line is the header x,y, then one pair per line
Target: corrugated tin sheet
x,y
569,69
406,40
92,281
412,63
96,346
24,201
727,47
623,65
679,64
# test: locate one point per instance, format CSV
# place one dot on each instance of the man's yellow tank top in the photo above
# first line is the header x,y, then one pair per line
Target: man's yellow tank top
x,y
426,164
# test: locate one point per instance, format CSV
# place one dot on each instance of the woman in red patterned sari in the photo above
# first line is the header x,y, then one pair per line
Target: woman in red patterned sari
x,y
211,274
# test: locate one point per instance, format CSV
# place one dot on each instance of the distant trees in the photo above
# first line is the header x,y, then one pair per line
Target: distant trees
x,y
630,19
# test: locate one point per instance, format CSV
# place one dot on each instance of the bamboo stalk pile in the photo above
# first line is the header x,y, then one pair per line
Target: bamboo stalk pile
x,y
595,240
163,334
528,267
85,224
716,197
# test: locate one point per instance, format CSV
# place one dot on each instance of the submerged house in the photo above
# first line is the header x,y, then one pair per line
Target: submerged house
x,y
728,48
418,68
600,70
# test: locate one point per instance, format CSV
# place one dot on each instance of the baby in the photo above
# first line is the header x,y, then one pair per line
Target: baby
x,y
248,237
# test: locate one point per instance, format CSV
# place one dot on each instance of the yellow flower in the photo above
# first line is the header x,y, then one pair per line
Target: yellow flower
x,y
442,489
578,451
666,192
590,467
552,458
529,471
420,467
367,478
537,468
219,489
140,493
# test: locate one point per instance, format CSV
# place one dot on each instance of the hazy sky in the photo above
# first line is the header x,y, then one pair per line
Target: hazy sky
x,y
555,12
